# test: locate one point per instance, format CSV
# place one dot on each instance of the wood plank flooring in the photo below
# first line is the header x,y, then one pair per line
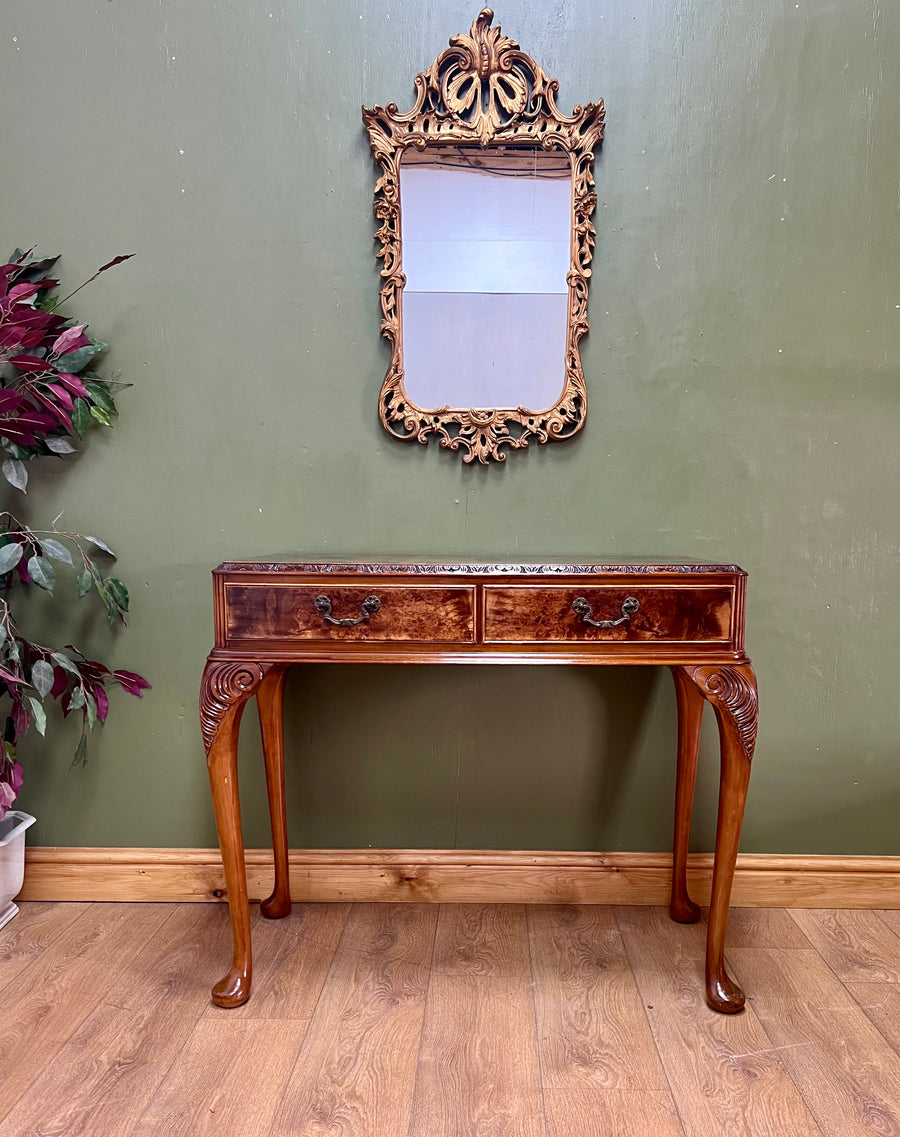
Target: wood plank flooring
x,y
406,1020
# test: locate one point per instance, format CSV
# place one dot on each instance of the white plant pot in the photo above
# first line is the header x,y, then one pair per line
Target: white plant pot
x,y
12,861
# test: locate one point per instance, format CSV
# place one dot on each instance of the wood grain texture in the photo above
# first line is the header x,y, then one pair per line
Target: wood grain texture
x,y
470,1079
266,618
600,1069
356,1071
288,611
105,1075
592,1029
31,933
732,693
892,919
690,705
459,876
51,997
224,692
152,1057
523,613
227,1080
625,1113
880,1003
271,612
765,927
291,961
848,1073
857,946
722,1070
270,704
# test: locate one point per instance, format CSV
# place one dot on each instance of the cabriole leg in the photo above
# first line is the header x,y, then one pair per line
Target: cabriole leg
x,y
731,690
270,701
690,714
224,692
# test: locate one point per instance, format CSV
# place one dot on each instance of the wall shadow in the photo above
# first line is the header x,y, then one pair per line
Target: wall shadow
x,y
399,756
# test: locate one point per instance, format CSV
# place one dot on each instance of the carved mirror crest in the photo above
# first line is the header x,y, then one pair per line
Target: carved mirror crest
x,y
486,267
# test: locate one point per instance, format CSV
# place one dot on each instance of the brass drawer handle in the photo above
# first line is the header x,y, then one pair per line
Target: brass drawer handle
x,y
369,606
629,606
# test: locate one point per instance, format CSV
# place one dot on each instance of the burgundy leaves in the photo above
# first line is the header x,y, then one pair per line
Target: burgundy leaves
x,y
69,340
47,392
20,422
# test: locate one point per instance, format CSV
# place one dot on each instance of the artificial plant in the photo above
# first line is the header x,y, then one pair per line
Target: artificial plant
x,y
50,397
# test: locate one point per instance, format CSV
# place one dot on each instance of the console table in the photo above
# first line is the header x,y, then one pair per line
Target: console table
x,y
687,617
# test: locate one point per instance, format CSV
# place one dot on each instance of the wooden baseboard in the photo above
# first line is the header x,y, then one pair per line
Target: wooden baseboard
x,y
460,876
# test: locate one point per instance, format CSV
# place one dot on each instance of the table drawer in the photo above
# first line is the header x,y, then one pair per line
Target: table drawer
x,y
355,613
629,613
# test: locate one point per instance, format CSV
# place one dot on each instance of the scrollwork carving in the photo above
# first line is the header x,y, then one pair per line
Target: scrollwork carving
x,y
224,684
483,90
733,689
434,568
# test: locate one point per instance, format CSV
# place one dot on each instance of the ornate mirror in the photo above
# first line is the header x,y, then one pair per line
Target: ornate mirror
x,y
484,203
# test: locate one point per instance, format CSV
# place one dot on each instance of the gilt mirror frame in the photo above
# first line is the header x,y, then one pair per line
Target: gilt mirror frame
x,y
484,91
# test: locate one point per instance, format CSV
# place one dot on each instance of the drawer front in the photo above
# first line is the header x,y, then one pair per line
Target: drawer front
x,y
555,614
308,611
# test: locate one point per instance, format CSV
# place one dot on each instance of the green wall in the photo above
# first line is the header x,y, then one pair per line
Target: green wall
x,y
742,369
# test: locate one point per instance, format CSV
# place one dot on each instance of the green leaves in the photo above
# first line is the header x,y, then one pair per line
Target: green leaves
x,y
15,473
56,550
18,541
101,545
80,752
91,709
112,609
111,591
46,301
59,445
42,681
42,677
119,593
10,555
38,714
42,572
77,360
101,395
81,416
65,663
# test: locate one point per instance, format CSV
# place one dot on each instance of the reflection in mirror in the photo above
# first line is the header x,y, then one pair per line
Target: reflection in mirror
x,y
487,240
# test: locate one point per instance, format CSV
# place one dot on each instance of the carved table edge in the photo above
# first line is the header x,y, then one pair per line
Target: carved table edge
x,y
412,568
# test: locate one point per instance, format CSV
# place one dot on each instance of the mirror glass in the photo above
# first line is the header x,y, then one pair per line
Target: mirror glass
x,y
487,244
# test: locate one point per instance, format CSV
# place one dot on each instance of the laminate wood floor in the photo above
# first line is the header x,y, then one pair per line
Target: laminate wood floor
x,y
378,1020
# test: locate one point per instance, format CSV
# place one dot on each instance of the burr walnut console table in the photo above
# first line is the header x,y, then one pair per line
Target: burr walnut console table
x,y
687,617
